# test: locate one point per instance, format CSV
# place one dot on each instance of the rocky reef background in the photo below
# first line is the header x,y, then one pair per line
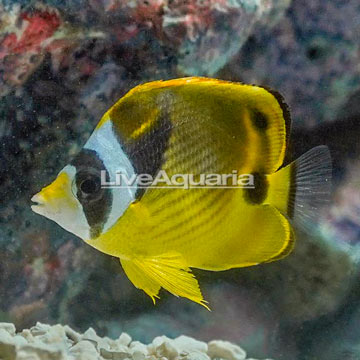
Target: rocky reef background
x,y
63,63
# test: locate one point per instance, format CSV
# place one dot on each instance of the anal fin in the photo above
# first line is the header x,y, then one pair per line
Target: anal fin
x,y
168,271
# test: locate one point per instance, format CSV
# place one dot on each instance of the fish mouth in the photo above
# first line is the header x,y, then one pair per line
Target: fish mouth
x,y
38,205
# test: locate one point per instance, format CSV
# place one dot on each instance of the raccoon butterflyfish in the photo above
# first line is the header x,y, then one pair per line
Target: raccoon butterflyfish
x,y
191,126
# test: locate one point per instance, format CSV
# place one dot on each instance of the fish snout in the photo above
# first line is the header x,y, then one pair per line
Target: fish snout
x,y
39,203
55,197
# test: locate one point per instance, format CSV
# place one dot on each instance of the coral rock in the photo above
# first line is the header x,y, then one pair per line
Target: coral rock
x,y
57,343
225,350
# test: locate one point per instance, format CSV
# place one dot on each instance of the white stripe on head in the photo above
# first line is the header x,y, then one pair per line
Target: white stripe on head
x,y
105,143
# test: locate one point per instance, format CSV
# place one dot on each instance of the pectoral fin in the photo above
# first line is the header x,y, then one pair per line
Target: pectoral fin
x,y
168,271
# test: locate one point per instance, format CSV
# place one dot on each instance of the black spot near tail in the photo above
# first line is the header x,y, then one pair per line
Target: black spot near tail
x,y
257,195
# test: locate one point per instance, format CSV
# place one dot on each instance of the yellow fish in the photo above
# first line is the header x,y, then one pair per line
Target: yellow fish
x,y
185,141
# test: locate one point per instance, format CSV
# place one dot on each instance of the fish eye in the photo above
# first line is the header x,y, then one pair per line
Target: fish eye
x,y
90,185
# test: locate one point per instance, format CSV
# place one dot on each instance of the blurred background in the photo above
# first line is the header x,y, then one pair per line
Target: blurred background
x,y
63,63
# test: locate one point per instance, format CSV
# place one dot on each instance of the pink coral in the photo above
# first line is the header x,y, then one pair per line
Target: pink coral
x,y
39,27
22,54
190,18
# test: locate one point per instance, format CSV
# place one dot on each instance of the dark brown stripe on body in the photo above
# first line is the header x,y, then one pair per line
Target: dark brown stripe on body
x,y
146,153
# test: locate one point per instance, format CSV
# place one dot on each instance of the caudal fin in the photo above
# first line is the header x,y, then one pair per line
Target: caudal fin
x,y
299,189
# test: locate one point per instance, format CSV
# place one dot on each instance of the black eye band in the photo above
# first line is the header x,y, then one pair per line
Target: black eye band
x,y
90,186
95,200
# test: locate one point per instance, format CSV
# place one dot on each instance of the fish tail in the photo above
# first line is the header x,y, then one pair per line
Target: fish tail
x,y
299,189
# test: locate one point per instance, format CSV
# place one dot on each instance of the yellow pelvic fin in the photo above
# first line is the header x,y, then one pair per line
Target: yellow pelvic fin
x,y
168,271
140,278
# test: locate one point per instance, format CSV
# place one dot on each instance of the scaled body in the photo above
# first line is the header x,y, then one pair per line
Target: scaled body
x,y
188,126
